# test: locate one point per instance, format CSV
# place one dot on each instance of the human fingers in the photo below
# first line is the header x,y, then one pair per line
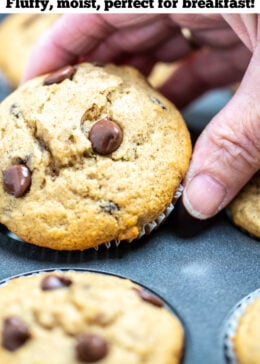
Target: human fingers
x,y
227,153
161,42
74,35
107,37
245,26
205,70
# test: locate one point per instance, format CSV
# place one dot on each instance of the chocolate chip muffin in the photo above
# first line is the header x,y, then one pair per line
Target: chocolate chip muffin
x,y
243,331
247,338
90,154
245,208
73,317
18,35
161,73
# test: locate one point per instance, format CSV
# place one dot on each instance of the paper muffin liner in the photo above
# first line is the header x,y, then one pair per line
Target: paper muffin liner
x,y
147,228
150,226
232,324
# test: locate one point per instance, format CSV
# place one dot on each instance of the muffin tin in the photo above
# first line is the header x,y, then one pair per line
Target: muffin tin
x,y
201,269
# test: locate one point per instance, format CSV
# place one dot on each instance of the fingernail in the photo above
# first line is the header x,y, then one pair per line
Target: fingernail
x,y
203,196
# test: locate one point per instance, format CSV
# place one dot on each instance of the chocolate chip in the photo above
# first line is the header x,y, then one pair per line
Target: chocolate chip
x,y
60,75
158,102
149,297
106,136
15,333
15,111
20,160
52,281
108,206
42,144
91,348
17,180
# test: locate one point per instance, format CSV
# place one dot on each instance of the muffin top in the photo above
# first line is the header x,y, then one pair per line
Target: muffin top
x,y
247,337
73,317
90,154
245,208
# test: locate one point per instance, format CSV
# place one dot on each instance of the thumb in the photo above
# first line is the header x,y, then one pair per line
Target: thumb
x,y
227,153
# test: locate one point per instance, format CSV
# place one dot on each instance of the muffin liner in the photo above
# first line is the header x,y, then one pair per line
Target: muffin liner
x,y
232,324
146,229
150,226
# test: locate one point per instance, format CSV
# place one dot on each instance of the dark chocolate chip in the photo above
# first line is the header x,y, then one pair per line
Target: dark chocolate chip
x,y
106,136
20,160
109,207
15,111
91,348
52,281
60,75
52,171
42,144
149,297
17,180
15,333
158,102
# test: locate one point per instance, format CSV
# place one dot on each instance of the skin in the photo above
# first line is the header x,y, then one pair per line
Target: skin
x,y
227,50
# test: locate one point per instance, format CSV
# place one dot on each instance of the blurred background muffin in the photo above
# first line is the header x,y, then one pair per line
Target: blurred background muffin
x,y
18,34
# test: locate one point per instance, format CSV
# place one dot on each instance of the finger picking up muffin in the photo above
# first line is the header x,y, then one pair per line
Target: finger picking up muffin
x,y
96,318
90,154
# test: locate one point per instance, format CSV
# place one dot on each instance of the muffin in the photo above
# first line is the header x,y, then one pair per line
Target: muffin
x,y
18,35
161,73
245,208
75,317
90,154
243,332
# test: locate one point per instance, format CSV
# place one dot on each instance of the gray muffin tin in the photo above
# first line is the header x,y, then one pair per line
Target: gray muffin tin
x,y
202,276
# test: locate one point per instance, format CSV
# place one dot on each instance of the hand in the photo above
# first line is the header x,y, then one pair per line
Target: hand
x,y
227,153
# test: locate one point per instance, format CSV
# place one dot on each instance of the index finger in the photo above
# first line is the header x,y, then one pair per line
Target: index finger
x,y
75,35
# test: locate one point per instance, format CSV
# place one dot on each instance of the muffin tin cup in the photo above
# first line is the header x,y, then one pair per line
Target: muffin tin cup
x,y
94,271
166,304
232,323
